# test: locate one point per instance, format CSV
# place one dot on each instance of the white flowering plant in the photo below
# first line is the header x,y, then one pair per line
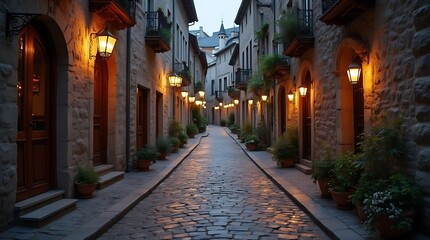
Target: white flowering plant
x,y
397,196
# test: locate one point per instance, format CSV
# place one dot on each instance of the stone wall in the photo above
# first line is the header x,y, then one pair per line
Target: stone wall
x,y
421,92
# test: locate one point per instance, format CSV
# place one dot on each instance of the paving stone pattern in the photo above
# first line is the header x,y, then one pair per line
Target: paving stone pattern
x,y
216,193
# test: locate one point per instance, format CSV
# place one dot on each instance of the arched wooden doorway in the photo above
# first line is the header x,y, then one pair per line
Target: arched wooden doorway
x,y
351,97
36,112
142,116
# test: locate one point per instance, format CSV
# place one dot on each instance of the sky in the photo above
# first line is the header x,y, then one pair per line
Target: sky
x,y
211,12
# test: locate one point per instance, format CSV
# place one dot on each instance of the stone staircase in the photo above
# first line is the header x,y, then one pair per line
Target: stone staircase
x,y
305,166
43,208
107,175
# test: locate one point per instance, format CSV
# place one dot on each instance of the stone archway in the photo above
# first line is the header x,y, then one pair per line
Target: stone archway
x,y
349,98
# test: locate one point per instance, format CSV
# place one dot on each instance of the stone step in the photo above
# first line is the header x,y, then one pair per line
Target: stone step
x,y
303,168
43,215
41,200
109,178
306,162
103,169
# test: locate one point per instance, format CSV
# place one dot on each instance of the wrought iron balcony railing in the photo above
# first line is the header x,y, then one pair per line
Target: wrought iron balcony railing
x,y
304,38
242,78
158,31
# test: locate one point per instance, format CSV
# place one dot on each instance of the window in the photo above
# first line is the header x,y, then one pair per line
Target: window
x,y
225,83
212,87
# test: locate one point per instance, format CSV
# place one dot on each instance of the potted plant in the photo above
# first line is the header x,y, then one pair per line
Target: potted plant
x,y
251,142
183,138
174,143
174,128
163,147
86,179
145,157
192,130
392,207
366,186
286,148
343,179
321,171
269,64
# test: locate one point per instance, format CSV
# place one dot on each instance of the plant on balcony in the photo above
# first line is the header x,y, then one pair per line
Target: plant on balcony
x,y
256,84
268,64
262,32
233,92
198,86
166,34
288,26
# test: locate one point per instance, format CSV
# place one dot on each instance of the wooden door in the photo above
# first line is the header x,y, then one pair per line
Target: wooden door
x,y
142,117
307,120
35,156
282,111
100,112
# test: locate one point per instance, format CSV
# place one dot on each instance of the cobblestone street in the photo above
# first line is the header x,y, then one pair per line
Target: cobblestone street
x,y
216,193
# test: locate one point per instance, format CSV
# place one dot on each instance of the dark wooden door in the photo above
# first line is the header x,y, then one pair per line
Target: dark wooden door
x,y
35,165
142,117
100,112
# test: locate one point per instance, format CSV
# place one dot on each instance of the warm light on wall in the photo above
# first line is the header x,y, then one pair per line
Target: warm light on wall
x,y
290,96
105,43
354,71
216,108
303,90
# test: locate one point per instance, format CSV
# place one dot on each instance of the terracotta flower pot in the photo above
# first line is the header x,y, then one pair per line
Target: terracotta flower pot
x,y
143,164
387,227
360,212
288,163
342,200
162,156
86,190
251,146
324,188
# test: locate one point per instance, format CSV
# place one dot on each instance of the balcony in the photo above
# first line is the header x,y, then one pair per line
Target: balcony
x,y
184,71
303,38
341,12
242,78
219,97
119,13
233,93
158,31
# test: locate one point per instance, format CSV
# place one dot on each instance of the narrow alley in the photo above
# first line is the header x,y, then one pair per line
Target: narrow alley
x,y
216,193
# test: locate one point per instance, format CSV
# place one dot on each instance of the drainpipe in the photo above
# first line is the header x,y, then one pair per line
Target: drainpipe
x,y
127,103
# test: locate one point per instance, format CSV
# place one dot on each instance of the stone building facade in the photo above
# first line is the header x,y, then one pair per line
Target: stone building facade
x,y
62,104
389,38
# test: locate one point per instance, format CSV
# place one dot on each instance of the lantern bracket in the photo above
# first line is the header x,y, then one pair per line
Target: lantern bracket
x,y
15,22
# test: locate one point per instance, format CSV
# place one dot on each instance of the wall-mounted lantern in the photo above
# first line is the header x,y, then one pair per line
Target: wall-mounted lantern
x,y
201,94
264,97
191,99
184,93
236,101
105,43
290,96
354,71
175,80
303,90
250,101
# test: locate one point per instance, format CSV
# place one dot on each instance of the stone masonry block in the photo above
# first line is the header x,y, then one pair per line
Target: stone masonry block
x,y
423,113
424,159
423,66
422,90
421,43
422,17
422,134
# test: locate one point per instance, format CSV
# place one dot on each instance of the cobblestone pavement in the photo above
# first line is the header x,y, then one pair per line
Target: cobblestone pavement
x,y
216,193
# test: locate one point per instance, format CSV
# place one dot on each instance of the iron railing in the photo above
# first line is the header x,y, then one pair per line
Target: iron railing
x,y
157,24
305,21
243,75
